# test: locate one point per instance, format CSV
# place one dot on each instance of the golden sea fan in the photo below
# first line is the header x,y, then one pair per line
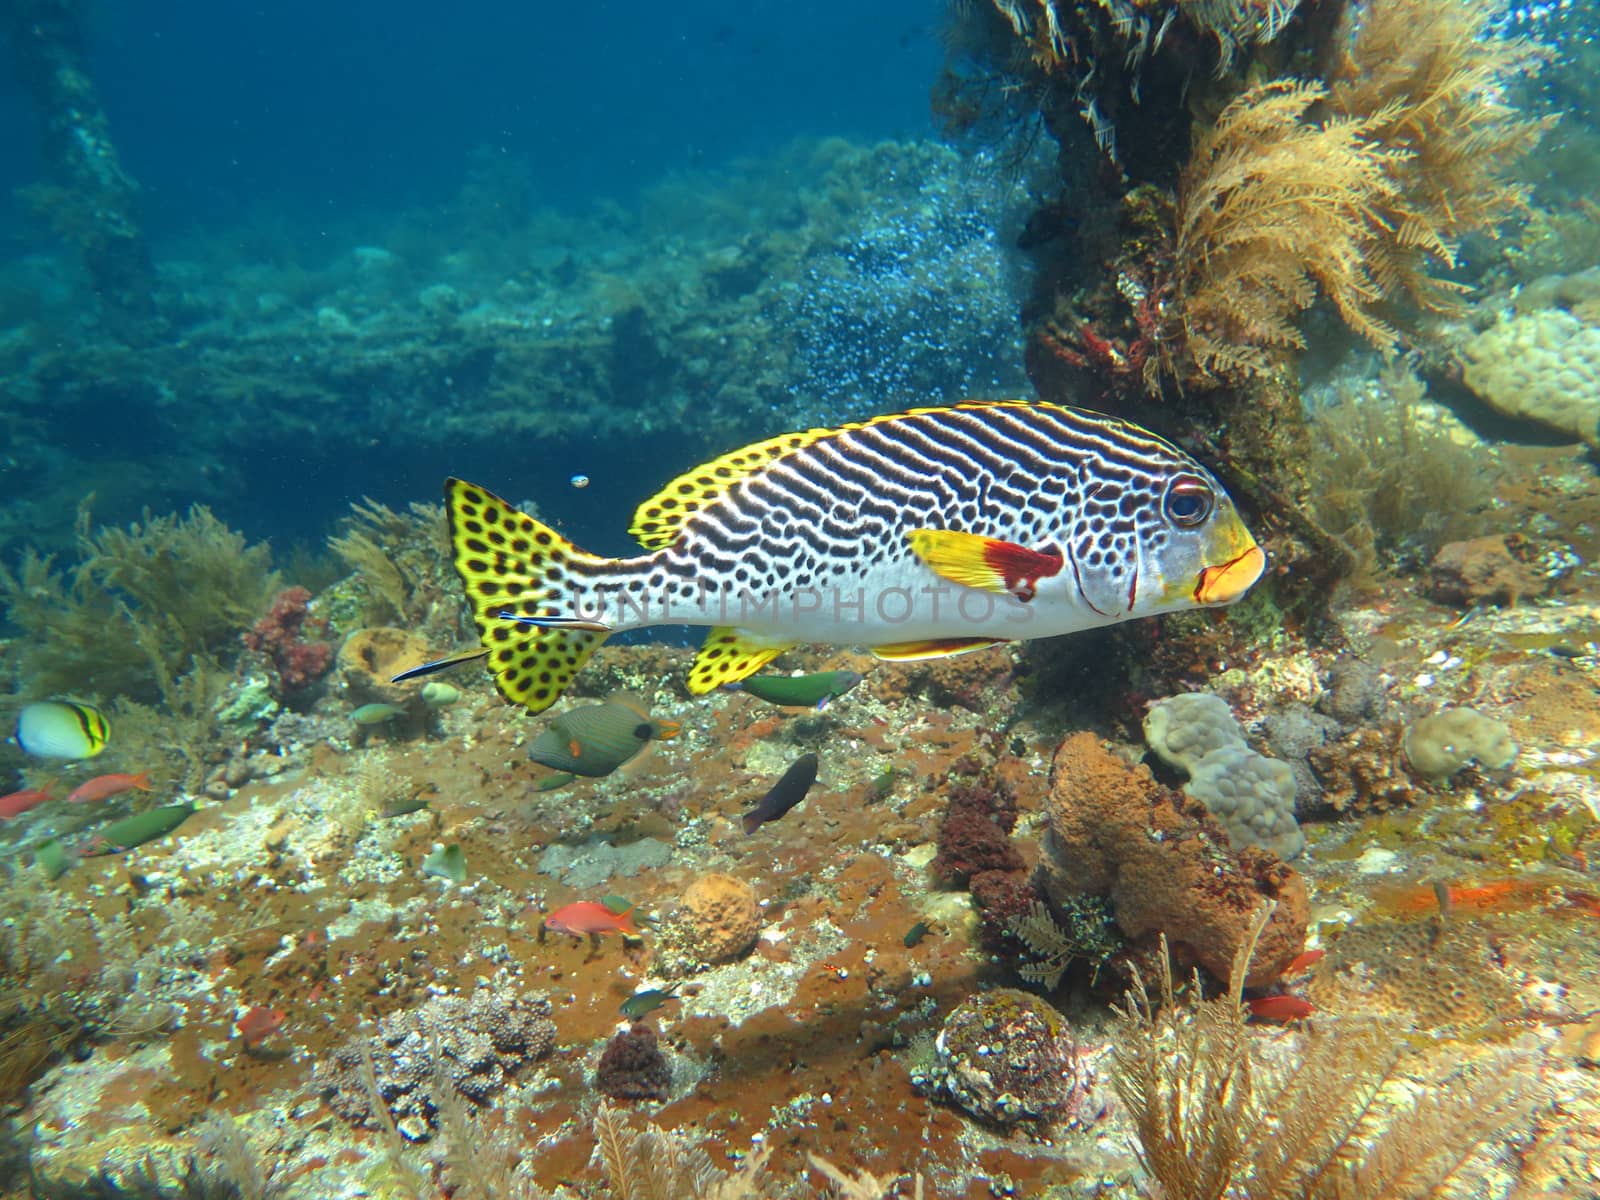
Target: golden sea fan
x,y
1274,211
1430,79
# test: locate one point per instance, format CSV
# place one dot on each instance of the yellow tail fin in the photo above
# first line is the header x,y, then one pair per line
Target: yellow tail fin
x,y
514,568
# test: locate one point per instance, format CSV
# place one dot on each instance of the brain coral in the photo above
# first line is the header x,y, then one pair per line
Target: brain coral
x,y
1542,366
1165,865
1251,795
722,916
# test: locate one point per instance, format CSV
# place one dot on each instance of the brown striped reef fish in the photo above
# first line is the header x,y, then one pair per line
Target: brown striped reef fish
x,y
917,535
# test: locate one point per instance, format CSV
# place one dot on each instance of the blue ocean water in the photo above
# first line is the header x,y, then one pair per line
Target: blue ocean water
x,y
295,134
327,111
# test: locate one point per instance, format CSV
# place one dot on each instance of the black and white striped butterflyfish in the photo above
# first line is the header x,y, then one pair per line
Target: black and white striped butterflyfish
x,y
921,534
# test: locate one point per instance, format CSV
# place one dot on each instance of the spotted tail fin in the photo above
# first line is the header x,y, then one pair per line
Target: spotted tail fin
x,y
517,571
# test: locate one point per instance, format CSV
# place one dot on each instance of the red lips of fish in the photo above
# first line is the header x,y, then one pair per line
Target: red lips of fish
x,y
590,917
1225,583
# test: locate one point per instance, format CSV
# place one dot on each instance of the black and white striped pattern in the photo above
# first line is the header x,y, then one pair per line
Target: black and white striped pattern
x,y
835,512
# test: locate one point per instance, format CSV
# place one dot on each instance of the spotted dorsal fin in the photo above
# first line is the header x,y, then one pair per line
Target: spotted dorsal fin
x,y
727,656
658,521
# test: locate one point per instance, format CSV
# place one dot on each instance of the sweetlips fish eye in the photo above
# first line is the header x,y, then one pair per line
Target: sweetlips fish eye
x,y
1188,502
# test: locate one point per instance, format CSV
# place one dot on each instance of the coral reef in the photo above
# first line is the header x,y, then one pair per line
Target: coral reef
x,y
1363,771
280,637
136,612
370,658
1007,1057
403,574
1202,1090
472,1044
1183,729
633,1066
975,835
1273,212
1382,450
1541,366
1251,796
1165,870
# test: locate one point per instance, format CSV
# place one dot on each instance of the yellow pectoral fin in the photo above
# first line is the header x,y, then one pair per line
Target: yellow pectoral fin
x,y
988,564
958,557
728,656
933,648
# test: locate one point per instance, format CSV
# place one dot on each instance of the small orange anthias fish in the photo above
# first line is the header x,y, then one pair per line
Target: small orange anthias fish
x,y
18,803
1301,963
103,787
1282,1008
260,1023
592,918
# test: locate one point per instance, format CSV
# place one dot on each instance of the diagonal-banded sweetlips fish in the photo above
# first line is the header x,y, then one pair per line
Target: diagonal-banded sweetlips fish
x,y
920,534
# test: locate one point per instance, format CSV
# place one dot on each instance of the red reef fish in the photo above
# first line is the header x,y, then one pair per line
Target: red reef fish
x,y
1282,1009
260,1023
103,787
592,918
1301,963
18,803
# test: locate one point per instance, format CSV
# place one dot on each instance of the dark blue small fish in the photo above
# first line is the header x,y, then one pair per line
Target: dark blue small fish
x,y
785,794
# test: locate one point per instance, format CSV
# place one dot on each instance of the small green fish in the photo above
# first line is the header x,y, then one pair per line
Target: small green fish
x,y
138,829
799,691
376,714
52,858
647,1001
551,782
597,739
916,933
447,862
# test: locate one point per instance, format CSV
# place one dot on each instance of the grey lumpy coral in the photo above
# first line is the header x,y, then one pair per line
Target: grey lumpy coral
x,y
1250,795
475,1043
1183,729
1439,746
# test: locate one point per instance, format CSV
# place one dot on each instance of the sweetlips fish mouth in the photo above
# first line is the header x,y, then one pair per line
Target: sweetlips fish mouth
x,y
1226,582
